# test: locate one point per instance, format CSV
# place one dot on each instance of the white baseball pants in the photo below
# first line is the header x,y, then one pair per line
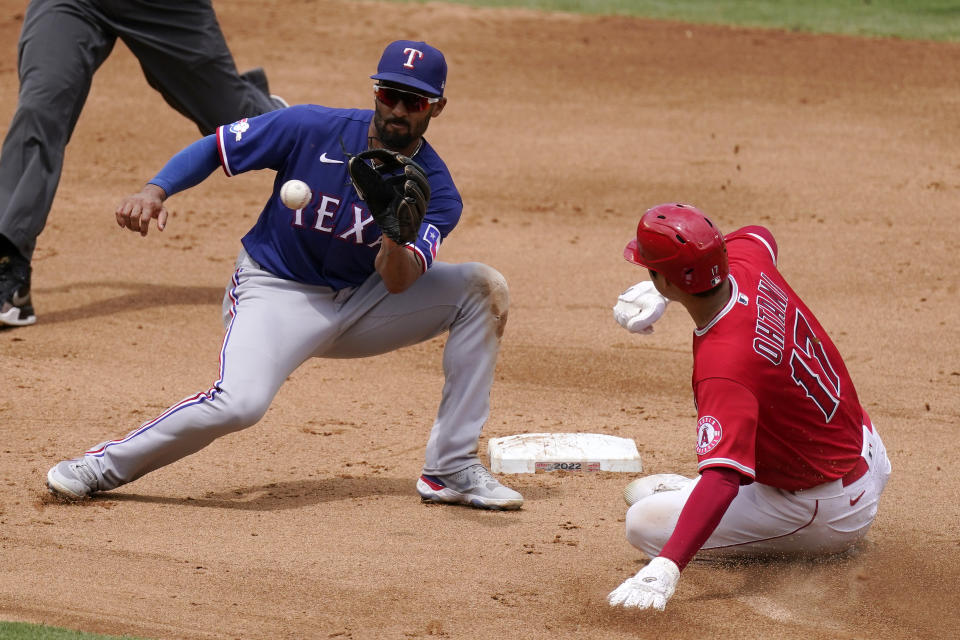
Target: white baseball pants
x,y
763,520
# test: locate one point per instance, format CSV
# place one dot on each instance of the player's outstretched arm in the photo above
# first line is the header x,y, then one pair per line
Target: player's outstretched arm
x,y
137,210
655,583
188,168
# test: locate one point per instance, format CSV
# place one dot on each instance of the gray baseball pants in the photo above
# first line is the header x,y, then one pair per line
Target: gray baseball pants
x,y
274,325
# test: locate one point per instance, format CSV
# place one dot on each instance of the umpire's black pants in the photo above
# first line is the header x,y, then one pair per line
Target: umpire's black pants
x,y
181,50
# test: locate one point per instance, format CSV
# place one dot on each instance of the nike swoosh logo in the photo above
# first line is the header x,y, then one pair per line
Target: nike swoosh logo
x,y
326,160
854,501
17,300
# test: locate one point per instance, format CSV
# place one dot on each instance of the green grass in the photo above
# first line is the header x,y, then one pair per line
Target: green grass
x,y
23,631
908,19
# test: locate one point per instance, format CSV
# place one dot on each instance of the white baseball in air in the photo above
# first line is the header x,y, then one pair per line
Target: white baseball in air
x,y
295,194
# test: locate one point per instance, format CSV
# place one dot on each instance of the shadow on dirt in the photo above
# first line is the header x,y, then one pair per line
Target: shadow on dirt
x,y
278,496
110,298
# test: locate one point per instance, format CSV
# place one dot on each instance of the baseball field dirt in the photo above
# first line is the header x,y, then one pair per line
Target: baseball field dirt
x,y
560,130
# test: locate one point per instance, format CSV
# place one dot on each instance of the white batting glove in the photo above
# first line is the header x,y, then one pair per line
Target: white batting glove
x,y
639,307
651,587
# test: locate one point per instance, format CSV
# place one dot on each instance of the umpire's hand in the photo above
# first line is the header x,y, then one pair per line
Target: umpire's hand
x,y
135,211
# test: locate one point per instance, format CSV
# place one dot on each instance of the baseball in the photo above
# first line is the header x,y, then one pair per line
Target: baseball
x,y
295,194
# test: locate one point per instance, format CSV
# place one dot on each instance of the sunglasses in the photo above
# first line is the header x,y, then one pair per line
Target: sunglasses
x,y
411,101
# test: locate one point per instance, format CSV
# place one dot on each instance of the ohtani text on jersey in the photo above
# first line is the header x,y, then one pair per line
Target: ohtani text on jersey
x,y
771,320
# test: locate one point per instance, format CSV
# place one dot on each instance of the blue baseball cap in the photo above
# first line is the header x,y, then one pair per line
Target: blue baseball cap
x,y
413,64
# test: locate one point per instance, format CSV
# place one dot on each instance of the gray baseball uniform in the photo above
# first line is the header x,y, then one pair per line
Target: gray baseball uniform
x,y
274,325
310,283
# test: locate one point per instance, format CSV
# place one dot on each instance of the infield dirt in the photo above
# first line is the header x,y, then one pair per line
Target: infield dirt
x,y
560,131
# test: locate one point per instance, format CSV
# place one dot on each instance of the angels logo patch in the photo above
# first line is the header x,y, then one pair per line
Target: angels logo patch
x,y
709,433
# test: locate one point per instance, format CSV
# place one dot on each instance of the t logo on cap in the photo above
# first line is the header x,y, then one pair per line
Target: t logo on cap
x,y
413,53
413,64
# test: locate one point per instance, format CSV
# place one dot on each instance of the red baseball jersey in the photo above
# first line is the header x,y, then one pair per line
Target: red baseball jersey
x,y
774,399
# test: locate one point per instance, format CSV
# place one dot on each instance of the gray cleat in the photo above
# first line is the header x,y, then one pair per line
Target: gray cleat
x,y
72,479
473,486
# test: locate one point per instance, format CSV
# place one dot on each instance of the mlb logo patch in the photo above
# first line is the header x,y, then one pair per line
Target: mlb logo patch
x,y
239,127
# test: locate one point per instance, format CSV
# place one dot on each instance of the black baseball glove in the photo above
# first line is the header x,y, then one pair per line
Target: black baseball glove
x,y
395,189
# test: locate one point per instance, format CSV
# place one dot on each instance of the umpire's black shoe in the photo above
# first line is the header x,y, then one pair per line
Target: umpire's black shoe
x,y
258,78
15,307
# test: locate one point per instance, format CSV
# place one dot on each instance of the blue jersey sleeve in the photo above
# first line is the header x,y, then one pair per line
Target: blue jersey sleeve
x,y
262,142
189,167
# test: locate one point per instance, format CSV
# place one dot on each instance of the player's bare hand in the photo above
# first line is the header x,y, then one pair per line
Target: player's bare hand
x,y
135,211
651,587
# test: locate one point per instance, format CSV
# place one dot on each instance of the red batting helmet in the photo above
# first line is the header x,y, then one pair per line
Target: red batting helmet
x,y
680,242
